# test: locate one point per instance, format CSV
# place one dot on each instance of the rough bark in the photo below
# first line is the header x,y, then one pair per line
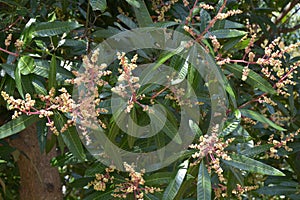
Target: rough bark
x,y
39,181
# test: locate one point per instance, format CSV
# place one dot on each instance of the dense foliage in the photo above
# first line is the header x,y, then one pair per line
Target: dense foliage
x,y
254,45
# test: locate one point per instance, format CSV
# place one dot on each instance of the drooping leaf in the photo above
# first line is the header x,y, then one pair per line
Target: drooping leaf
x,y
70,137
203,183
226,33
251,165
259,117
16,125
172,189
253,79
46,29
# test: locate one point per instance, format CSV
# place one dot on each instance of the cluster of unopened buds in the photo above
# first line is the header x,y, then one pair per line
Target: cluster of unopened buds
x,y
213,148
101,180
63,102
134,185
283,143
161,8
240,190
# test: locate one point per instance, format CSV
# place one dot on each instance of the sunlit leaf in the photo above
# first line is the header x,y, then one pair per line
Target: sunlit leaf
x,y
98,5
226,33
173,187
46,29
251,165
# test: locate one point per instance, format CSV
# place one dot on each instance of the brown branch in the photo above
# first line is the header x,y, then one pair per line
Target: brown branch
x,y
288,30
286,10
212,22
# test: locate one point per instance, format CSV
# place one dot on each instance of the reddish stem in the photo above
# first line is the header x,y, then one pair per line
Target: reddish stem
x,y
8,52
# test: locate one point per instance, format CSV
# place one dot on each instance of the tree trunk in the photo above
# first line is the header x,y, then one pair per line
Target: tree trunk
x,y
39,181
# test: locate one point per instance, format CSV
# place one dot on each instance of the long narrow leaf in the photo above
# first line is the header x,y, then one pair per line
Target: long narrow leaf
x,y
141,12
16,125
45,29
70,137
203,183
251,165
253,79
173,188
256,116
52,73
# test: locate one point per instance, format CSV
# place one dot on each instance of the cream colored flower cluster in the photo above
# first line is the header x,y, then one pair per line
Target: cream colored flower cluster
x,y
161,8
101,180
283,143
63,102
134,185
212,147
128,84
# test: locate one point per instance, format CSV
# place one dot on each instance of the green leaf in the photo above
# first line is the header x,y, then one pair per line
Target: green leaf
x,y
18,80
195,128
259,117
134,3
277,190
98,5
182,73
97,195
172,189
232,25
26,65
141,13
127,21
251,165
46,29
105,33
203,183
70,137
52,73
226,33
94,169
233,125
16,125
170,130
254,79
42,131
159,178
250,152
9,69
